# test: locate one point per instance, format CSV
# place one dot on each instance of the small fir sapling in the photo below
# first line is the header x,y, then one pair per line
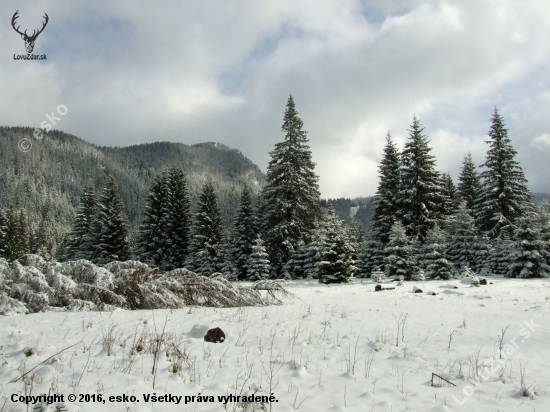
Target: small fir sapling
x,y
377,275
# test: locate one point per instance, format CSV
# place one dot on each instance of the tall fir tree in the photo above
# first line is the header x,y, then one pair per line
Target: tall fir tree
x,y
206,247
111,233
335,265
245,235
289,206
79,242
528,258
399,260
258,267
179,218
469,183
421,199
151,242
504,196
386,200
3,234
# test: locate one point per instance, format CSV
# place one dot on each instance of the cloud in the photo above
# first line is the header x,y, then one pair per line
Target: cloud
x,y
219,71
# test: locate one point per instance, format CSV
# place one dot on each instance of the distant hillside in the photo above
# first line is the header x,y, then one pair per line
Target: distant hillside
x,y
358,209
47,181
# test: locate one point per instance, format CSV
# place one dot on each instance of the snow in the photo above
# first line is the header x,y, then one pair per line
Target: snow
x,y
333,348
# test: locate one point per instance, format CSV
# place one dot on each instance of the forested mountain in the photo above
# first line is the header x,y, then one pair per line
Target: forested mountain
x,y
48,180
358,209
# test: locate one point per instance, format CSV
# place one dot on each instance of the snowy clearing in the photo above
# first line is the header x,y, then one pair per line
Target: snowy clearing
x,y
332,348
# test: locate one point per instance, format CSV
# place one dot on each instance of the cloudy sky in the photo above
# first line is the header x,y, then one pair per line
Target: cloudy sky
x,y
139,71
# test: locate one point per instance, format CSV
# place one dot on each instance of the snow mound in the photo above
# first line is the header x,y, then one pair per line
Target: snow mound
x,y
31,284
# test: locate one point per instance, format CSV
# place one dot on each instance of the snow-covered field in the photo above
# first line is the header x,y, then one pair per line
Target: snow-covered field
x,y
331,348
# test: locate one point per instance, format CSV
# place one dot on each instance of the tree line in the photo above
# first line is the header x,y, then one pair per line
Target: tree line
x,y
422,226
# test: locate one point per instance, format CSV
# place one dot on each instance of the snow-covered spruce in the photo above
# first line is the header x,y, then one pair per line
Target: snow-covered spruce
x,y
371,255
244,236
399,254
110,231
422,202
31,284
289,202
335,264
377,275
206,247
434,262
528,253
504,196
259,267
386,204
469,183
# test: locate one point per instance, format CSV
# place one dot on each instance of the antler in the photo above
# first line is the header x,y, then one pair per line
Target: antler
x,y
15,16
34,35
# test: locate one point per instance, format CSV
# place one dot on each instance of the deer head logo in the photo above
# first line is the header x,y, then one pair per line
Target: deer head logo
x,y
29,40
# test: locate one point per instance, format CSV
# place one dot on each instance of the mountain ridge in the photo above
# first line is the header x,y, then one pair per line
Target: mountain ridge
x,y
48,180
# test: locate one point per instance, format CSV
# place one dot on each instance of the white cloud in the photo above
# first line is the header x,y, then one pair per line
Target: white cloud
x,y
222,71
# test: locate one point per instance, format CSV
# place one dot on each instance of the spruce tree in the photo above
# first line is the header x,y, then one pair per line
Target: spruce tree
x,y
111,234
386,199
79,242
41,247
3,234
504,194
206,252
290,198
421,199
245,235
469,183
543,210
178,220
399,260
335,264
528,251
304,261
463,244
377,275
355,237
152,238
17,235
450,192
258,266
435,263
371,255
499,252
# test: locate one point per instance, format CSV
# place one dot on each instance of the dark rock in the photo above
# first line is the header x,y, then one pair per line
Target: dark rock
x,y
378,288
215,335
482,281
490,283
418,291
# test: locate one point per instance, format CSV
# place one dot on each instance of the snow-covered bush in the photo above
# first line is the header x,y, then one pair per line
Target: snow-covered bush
x,y
82,286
